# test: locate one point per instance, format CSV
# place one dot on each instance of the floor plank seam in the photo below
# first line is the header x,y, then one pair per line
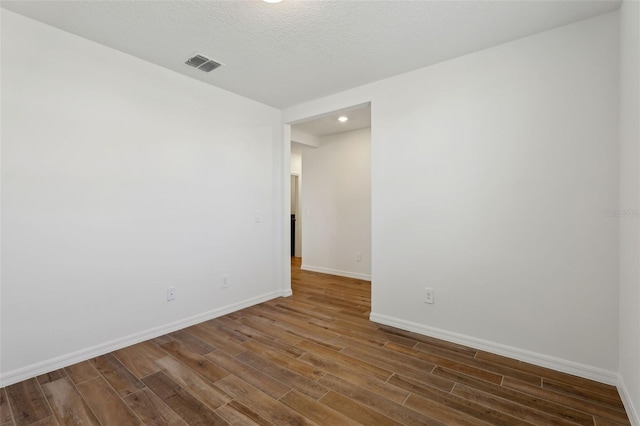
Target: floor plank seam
x,y
53,413
13,417
75,386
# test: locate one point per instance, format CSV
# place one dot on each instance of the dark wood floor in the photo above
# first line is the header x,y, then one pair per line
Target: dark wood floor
x,y
313,358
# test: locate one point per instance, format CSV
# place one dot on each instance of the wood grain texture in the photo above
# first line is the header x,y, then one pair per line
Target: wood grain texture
x,y
47,421
315,410
237,413
400,413
194,360
139,359
121,379
5,411
82,372
358,412
28,403
425,396
310,359
68,405
284,360
223,342
351,362
261,403
108,407
192,342
187,406
283,374
52,376
574,401
254,377
191,381
534,413
152,410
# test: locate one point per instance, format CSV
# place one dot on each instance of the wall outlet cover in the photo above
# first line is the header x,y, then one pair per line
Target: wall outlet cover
x,y
428,295
171,294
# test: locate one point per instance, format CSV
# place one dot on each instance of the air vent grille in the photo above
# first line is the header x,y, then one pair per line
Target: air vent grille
x,y
209,66
202,63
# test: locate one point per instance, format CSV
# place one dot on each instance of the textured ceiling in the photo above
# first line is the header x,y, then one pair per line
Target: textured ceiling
x,y
294,51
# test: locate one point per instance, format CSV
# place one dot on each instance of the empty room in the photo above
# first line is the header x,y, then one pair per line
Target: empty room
x,y
464,178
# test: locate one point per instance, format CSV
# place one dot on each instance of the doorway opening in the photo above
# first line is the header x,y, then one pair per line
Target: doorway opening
x,y
331,193
296,229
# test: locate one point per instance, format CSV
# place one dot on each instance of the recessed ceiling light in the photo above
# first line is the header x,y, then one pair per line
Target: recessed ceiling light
x,y
343,119
272,1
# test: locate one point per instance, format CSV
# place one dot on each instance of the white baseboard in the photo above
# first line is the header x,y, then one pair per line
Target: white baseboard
x,y
630,408
558,364
347,274
43,367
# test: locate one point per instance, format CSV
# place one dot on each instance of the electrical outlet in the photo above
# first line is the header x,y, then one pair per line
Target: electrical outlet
x,y
171,294
224,281
428,295
358,256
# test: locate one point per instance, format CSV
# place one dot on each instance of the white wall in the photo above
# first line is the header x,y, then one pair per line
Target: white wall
x,y
336,205
296,163
490,176
116,185
629,204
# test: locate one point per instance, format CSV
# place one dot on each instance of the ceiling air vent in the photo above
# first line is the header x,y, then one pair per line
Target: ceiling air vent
x,y
202,63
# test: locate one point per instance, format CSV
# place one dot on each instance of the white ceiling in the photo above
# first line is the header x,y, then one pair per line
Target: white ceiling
x,y
295,51
359,117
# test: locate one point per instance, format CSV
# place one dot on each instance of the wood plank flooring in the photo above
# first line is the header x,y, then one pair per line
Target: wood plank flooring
x,y
313,358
